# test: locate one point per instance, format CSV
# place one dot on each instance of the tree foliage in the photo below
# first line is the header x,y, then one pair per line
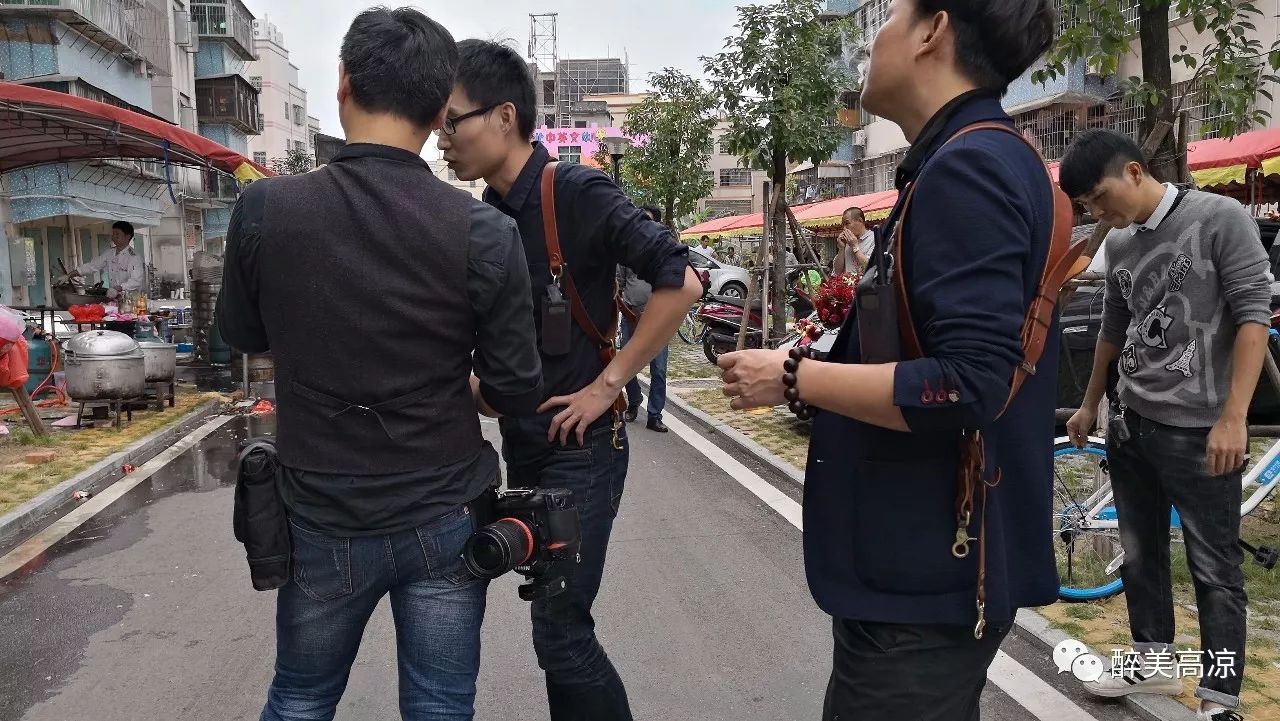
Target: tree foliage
x,y
675,122
295,162
780,81
1232,67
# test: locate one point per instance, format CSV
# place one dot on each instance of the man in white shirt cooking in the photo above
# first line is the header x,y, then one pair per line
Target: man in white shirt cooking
x,y
122,264
857,243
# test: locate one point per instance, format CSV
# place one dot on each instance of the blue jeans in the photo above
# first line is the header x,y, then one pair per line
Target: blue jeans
x,y
582,684
436,603
657,378
1161,467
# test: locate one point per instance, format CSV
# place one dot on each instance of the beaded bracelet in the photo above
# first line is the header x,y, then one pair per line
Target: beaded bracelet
x,y
803,410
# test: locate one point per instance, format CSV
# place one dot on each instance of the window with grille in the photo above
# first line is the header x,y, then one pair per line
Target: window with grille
x,y
571,153
260,158
1206,113
870,17
876,174
256,81
735,177
453,176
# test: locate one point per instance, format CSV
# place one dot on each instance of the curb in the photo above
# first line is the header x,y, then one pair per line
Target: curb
x,y
28,517
761,453
1034,628
1029,625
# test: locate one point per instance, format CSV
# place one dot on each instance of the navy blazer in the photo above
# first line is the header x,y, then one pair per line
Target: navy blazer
x,y
879,513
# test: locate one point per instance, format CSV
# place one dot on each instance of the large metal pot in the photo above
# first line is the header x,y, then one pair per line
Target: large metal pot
x,y
103,365
160,360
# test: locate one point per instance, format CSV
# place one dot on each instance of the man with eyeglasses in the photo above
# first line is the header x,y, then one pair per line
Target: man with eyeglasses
x,y
578,441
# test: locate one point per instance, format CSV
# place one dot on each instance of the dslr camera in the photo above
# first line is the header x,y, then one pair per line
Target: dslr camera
x,y
532,531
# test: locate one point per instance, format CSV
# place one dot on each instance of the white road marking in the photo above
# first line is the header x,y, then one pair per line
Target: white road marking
x,y
1027,689
776,499
1032,692
61,528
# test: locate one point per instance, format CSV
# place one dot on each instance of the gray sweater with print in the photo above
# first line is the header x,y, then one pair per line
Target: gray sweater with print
x,y
1174,298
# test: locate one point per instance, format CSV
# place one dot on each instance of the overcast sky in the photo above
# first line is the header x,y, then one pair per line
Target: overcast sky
x,y
658,34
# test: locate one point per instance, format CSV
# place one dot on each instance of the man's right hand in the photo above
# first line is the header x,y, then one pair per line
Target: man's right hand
x,y
1082,424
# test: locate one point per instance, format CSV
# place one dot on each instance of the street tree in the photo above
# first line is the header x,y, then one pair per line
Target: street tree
x,y
1232,67
779,82
674,125
295,162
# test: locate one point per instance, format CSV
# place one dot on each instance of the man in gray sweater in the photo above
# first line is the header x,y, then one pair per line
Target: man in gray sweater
x,y
1186,314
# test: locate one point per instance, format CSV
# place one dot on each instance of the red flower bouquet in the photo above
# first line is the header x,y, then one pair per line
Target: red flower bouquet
x,y
834,299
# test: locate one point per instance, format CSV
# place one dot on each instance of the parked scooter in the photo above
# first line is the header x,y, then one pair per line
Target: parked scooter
x,y
722,316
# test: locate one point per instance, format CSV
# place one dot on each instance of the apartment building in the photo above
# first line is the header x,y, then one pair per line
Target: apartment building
x,y
1051,114
285,123
107,50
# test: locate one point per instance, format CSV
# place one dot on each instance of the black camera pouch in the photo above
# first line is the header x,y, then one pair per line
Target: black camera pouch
x,y
259,518
876,304
556,321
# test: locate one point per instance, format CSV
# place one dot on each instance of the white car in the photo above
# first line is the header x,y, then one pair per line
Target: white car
x,y
727,280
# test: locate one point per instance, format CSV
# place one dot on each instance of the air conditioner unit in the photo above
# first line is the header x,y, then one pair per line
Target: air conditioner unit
x,y
140,68
187,118
860,138
182,30
194,46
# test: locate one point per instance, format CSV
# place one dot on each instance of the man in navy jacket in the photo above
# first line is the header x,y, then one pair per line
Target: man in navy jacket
x,y
880,491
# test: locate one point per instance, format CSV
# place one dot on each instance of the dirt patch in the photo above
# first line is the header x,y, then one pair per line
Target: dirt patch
x,y
77,449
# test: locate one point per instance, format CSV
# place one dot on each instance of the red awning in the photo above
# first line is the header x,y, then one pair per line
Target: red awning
x,y
1248,149
39,126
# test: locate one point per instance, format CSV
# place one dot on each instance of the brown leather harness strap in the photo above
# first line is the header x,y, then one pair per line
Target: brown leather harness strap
x,y
1059,263
555,258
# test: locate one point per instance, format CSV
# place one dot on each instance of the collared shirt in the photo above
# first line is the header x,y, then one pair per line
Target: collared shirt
x,y
505,359
707,252
1161,212
599,229
122,265
866,245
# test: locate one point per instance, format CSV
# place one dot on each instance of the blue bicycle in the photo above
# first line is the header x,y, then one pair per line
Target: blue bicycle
x,y
1086,526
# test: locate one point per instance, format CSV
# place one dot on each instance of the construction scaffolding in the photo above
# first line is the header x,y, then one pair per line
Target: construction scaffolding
x,y
576,79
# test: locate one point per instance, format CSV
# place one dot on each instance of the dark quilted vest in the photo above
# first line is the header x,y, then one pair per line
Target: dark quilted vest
x,y
364,296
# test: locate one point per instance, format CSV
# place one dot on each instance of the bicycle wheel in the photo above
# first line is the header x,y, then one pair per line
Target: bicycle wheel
x,y
1088,553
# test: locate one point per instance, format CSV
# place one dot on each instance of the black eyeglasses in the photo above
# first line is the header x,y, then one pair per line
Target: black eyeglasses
x,y
451,124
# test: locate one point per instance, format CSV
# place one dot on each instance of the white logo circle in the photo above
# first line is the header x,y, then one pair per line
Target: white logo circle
x,y
1066,652
1087,667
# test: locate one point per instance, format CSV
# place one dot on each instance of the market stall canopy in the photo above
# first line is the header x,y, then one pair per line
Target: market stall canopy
x,y
39,126
1223,161
828,214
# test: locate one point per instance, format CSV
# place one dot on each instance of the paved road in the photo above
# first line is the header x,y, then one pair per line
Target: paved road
x,y
145,611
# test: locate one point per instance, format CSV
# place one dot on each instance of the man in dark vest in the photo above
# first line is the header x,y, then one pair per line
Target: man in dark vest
x,y
915,627
372,283
578,441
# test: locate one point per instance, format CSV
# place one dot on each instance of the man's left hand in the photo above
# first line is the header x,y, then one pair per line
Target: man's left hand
x,y
1228,444
753,378
581,410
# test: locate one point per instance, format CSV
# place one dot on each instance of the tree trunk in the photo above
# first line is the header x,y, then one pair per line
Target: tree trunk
x,y
778,281
1153,31
669,215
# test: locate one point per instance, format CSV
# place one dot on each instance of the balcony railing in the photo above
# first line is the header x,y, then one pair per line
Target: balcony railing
x,y
226,20
228,99
131,28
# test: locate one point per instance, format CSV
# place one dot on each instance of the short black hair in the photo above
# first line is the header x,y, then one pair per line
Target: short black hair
x,y
124,227
996,40
706,238
1094,155
492,74
854,210
400,62
653,212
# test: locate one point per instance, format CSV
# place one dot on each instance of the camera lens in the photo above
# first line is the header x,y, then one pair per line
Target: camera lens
x,y
498,547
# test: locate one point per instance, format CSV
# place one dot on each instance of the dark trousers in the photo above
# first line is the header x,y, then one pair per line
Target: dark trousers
x,y
1162,467
582,684
657,378
918,672
436,603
